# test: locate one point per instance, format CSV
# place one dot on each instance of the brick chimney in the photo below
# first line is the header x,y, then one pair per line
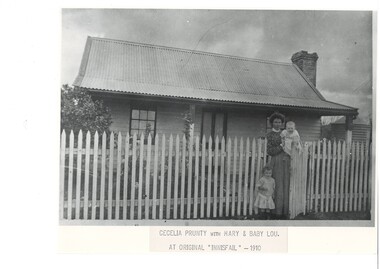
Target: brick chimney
x,y
307,62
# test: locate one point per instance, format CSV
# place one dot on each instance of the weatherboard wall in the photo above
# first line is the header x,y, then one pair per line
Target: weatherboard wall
x,y
241,122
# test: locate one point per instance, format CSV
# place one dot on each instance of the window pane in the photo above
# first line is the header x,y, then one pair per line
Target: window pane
x,y
150,125
151,115
219,120
206,124
143,114
142,125
135,114
135,124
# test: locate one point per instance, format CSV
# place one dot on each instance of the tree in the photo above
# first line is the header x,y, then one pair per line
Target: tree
x,y
80,112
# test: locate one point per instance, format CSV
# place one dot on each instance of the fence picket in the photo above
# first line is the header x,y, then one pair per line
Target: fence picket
x,y
126,172
228,184
70,180
215,183
240,183
347,179
221,178
304,177
155,172
361,172
196,177
141,176
118,172
202,207
94,176
110,177
369,177
87,175
352,177
62,175
328,193
311,180
323,178
147,176
133,175
190,176
234,179
252,178
103,176
339,153
265,152
316,199
366,157
258,167
162,177
183,175
245,196
355,195
208,211
79,176
343,176
332,190
176,169
169,178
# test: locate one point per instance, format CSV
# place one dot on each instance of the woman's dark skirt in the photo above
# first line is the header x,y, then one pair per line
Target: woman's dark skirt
x,y
281,173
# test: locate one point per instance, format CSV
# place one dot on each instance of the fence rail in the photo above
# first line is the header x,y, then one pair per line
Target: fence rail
x,y
169,177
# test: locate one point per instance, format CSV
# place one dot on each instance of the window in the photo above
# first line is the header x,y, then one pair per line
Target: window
x,y
214,123
143,121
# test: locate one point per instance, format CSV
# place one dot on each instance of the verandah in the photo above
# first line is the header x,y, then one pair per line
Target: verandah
x,y
175,178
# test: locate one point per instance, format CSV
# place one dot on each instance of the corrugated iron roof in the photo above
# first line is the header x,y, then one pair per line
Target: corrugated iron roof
x,y
122,66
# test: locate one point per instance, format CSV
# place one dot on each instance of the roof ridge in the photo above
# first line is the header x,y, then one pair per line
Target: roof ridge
x,y
189,51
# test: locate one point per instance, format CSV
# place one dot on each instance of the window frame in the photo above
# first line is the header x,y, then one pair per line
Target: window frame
x,y
139,107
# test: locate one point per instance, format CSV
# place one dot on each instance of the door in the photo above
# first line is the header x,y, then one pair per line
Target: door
x,y
214,123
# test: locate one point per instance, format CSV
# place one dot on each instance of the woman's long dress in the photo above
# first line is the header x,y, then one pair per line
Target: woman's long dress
x,y
280,163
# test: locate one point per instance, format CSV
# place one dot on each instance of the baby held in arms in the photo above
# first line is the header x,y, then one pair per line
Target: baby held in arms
x,y
290,137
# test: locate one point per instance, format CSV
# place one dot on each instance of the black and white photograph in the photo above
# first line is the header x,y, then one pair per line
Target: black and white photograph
x,y
216,117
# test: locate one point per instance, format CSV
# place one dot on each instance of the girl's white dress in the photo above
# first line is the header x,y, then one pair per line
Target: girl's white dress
x,y
264,198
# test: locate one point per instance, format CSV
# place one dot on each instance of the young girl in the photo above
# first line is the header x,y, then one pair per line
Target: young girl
x,y
290,137
264,193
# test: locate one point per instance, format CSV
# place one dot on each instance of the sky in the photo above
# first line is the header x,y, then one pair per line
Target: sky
x,y
342,40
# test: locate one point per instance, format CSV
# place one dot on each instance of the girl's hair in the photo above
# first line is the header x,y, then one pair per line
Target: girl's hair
x,y
276,115
266,168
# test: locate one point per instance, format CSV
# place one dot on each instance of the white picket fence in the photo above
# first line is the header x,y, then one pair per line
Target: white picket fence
x,y
172,178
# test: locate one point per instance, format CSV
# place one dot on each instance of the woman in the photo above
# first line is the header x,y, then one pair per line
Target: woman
x,y
280,163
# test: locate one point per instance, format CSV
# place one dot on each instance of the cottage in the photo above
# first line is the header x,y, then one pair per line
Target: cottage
x,y
152,88
361,130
